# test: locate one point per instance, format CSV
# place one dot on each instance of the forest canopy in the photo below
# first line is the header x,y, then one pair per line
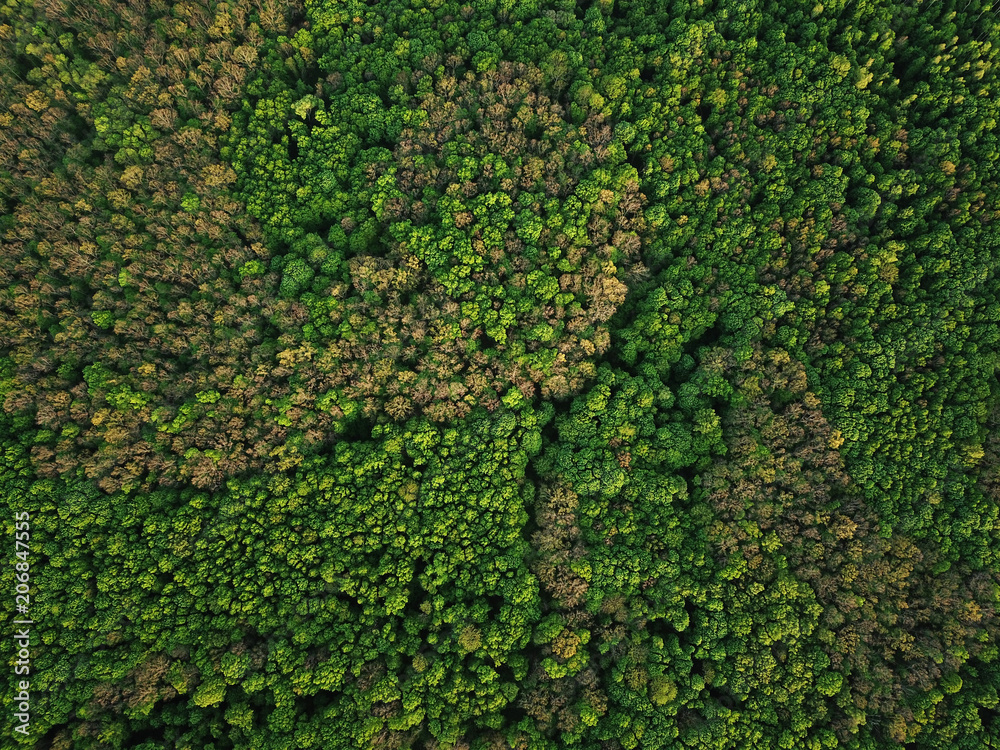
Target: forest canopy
x,y
502,375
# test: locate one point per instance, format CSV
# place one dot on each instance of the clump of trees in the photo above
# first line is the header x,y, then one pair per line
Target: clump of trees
x,y
139,336
458,236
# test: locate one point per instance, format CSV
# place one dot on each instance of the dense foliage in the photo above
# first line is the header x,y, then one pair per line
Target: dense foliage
x,y
527,375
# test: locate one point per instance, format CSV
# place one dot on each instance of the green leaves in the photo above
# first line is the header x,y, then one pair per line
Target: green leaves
x,y
295,277
538,375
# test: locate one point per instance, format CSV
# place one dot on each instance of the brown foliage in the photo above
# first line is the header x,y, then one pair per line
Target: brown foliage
x,y
896,626
103,253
